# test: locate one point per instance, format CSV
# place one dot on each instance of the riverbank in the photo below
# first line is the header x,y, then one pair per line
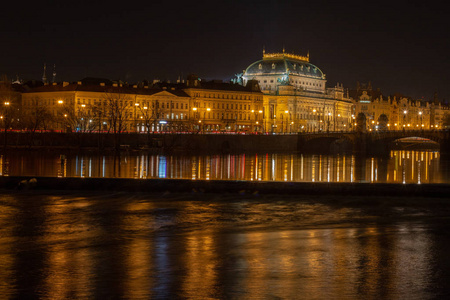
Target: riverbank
x,y
224,186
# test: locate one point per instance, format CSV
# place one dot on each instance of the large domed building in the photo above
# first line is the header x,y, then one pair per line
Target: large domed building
x,y
296,98
282,68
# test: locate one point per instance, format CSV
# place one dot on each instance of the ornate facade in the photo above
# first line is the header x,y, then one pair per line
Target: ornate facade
x,y
296,98
396,112
281,93
199,106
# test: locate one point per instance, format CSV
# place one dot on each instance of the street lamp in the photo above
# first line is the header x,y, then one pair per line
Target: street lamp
x,y
404,118
314,118
136,105
60,102
194,109
421,123
5,120
328,122
286,122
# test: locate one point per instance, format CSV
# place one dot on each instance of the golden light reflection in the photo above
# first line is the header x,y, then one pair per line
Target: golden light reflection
x,y
69,272
8,216
335,263
138,255
401,167
200,261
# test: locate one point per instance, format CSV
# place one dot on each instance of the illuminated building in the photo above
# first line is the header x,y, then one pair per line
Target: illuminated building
x,y
396,112
295,95
89,106
94,103
223,106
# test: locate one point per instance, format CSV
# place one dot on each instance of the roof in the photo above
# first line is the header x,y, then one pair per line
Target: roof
x,y
75,87
226,86
284,65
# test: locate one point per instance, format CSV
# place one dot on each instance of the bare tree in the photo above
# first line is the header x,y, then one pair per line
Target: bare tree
x,y
151,115
68,118
8,106
36,117
117,113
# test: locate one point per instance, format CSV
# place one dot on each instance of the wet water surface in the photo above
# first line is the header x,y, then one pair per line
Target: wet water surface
x,y
399,167
205,246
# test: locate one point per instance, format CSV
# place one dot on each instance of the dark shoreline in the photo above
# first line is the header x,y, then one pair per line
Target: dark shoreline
x,y
224,186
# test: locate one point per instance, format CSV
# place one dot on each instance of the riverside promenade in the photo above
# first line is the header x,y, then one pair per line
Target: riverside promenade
x,y
378,143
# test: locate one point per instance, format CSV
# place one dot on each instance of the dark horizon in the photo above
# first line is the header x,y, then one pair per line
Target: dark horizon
x,y
398,48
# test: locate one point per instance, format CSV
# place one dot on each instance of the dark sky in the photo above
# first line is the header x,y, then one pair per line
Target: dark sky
x,y
397,46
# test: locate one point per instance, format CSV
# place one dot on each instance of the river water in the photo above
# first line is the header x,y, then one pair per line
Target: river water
x,y
398,167
113,245
79,245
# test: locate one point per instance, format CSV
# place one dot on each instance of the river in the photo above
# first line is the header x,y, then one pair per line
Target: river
x,y
398,167
117,245
79,245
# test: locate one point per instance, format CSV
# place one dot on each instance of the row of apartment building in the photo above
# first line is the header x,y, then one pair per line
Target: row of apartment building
x,y
96,104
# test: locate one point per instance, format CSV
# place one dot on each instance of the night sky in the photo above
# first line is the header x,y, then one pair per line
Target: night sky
x,y
400,48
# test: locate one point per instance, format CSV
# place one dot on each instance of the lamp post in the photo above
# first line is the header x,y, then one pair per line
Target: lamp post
x,y
253,124
194,109
421,123
259,118
352,122
59,125
136,105
286,112
404,118
6,121
328,122
208,110
314,112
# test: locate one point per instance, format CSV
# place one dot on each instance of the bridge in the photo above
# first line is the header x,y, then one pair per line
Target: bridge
x,y
378,142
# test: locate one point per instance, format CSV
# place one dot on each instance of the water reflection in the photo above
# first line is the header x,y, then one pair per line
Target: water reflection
x,y
399,167
133,247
